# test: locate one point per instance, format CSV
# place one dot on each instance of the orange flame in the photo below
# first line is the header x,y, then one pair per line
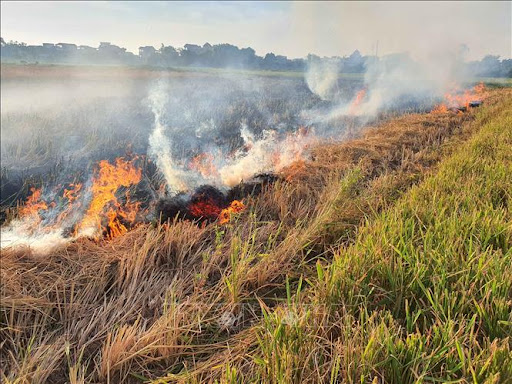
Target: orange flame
x,y
130,210
72,193
292,149
203,163
115,227
33,205
207,208
357,101
235,207
455,99
294,170
108,179
441,108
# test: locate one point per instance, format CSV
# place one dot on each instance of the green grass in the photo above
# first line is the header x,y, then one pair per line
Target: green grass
x,y
423,295
183,70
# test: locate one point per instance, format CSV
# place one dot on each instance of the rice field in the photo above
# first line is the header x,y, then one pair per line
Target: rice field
x,y
385,258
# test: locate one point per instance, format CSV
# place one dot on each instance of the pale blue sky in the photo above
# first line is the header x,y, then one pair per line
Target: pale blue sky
x,y
290,28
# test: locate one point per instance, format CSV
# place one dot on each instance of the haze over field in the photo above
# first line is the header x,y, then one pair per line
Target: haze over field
x,y
219,129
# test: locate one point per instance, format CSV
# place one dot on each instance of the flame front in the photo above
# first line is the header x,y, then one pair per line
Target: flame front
x,y
455,99
235,207
207,209
109,212
203,163
51,218
108,179
72,194
441,108
357,101
33,205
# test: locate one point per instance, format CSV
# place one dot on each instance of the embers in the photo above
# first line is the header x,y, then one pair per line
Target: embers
x,y
208,204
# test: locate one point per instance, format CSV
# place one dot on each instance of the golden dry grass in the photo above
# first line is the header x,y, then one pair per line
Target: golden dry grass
x,y
178,300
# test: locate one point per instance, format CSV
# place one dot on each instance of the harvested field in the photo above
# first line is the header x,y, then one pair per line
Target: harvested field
x,y
337,271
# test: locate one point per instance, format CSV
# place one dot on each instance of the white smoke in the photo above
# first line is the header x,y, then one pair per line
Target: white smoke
x,y
159,144
43,233
270,153
395,77
33,232
267,152
243,165
322,78
40,241
394,81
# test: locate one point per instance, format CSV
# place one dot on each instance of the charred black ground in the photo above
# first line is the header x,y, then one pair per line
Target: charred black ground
x,y
207,201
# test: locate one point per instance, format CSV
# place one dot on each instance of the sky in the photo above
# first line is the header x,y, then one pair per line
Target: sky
x,y
294,29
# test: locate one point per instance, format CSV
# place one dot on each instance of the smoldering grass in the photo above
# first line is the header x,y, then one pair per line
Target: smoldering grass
x,y
379,312
309,266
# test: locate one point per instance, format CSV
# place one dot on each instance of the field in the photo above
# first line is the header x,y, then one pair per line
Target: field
x,y
382,258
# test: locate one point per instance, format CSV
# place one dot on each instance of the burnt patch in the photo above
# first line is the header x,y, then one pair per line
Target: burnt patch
x,y
206,203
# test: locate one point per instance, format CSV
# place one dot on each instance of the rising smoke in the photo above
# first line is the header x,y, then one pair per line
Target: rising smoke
x,y
393,83
322,78
198,130
159,143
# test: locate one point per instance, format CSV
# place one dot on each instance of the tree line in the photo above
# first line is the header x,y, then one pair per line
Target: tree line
x,y
207,55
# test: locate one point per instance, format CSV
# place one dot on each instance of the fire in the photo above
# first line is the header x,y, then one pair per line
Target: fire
x,y
108,179
104,207
33,205
115,227
111,210
441,108
235,207
206,208
357,101
456,100
291,149
72,193
203,163
294,170
130,210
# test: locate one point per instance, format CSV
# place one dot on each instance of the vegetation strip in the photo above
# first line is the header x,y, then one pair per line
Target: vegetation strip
x,y
423,295
162,300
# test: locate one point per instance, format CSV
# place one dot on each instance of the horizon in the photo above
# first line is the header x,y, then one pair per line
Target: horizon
x,y
304,27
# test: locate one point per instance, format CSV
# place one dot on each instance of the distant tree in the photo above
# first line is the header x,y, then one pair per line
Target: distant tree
x,y
506,68
490,66
354,63
147,55
169,56
221,56
189,54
